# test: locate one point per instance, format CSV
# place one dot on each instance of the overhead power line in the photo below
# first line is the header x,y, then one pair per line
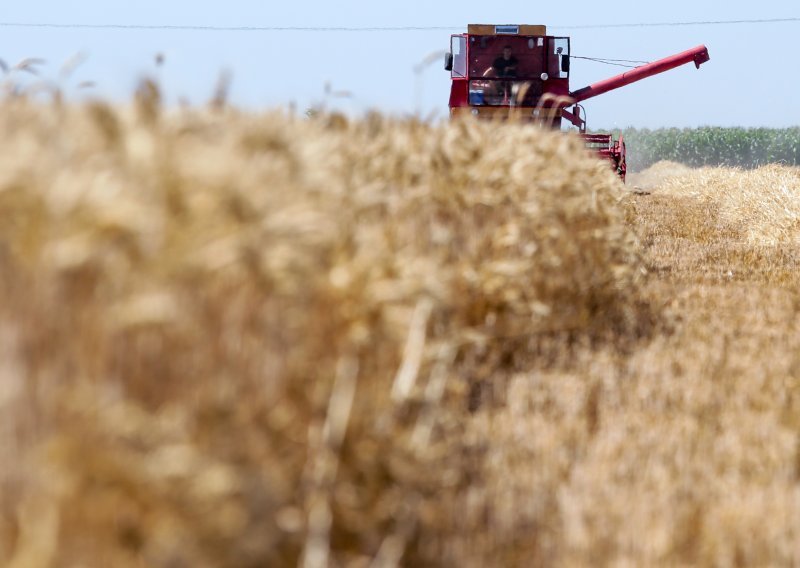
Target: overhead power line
x,y
202,28
678,24
229,28
615,62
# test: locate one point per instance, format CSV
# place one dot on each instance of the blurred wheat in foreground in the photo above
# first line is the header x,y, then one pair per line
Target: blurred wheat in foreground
x,y
249,340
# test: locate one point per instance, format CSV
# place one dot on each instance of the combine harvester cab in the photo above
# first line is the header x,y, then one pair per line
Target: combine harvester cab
x,y
499,71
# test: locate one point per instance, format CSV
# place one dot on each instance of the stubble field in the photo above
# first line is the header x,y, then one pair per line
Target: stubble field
x,y
247,340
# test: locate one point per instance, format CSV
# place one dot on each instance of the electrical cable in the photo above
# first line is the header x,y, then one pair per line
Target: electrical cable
x,y
205,28
614,62
200,28
677,24
609,59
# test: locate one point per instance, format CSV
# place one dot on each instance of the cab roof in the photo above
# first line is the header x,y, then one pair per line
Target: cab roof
x,y
506,29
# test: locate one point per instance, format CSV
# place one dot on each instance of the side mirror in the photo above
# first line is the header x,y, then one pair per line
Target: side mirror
x,y
448,61
565,63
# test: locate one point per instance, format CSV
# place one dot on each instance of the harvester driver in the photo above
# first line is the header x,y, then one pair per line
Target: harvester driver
x,y
504,66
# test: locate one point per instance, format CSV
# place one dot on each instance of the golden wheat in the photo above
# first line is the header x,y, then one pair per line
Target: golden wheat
x,y
243,340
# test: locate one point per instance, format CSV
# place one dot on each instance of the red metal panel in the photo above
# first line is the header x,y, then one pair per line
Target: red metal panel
x,y
459,93
557,86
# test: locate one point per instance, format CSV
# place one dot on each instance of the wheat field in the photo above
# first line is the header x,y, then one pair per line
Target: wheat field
x,y
237,339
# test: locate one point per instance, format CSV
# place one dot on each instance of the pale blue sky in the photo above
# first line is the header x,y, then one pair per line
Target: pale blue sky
x,y
751,80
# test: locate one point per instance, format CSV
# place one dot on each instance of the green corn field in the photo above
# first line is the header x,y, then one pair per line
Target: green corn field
x,y
713,146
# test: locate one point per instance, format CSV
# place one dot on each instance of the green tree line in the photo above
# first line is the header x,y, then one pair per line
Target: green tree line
x,y
712,146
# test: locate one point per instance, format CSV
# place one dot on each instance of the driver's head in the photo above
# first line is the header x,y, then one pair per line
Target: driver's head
x,y
507,52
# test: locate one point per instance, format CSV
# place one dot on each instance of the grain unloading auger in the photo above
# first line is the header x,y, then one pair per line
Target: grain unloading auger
x,y
498,71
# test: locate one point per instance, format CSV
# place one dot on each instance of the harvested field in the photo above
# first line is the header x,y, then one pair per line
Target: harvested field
x,y
249,340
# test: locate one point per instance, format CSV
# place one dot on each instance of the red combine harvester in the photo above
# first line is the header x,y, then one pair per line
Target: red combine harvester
x,y
498,71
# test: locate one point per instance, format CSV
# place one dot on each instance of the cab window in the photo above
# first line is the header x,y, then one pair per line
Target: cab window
x,y
458,48
559,58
